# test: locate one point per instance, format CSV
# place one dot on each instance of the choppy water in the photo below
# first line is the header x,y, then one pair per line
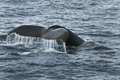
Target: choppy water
x,y
95,21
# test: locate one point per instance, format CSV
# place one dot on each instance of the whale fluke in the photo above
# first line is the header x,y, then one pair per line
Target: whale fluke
x,y
29,30
73,39
54,32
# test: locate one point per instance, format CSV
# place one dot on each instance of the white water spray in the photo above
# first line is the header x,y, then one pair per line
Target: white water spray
x,y
43,44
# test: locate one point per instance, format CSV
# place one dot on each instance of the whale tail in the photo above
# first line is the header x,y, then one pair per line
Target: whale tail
x,y
54,32
39,31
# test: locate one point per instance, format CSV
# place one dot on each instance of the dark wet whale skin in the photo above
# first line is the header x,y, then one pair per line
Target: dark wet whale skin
x,y
73,39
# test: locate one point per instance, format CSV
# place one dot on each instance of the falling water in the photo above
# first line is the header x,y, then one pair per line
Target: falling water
x,y
43,44
52,45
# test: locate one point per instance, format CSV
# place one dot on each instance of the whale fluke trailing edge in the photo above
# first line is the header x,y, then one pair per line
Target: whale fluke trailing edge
x,y
54,32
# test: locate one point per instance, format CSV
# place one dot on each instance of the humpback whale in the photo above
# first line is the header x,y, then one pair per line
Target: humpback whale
x,y
54,32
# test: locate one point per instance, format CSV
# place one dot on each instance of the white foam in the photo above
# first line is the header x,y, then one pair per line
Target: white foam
x,y
25,53
53,50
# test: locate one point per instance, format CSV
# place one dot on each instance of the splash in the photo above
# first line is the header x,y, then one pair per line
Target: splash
x,y
42,44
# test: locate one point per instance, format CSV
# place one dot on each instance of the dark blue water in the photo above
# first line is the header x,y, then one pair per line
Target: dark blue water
x,y
95,21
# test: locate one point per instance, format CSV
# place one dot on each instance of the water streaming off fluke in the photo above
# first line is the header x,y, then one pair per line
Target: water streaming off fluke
x,y
42,44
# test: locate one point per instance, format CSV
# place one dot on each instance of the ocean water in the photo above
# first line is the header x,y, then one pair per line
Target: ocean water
x,y
95,21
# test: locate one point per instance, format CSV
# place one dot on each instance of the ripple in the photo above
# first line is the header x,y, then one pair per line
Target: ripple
x,y
3,37
5,59
101,48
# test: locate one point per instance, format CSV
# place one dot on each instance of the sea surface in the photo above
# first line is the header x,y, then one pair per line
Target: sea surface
x,y
95,21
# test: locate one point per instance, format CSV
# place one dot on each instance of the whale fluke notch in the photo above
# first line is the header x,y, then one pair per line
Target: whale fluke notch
x,y
29,30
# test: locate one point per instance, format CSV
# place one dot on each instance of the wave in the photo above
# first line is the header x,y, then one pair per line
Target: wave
x,y
101,48
3,37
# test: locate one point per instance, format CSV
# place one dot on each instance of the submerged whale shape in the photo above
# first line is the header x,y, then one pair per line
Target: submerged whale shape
x,y
54,32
